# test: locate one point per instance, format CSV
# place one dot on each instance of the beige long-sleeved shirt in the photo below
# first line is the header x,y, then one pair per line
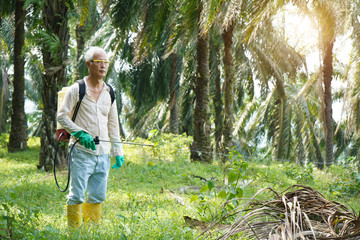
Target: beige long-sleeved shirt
x,y
98,118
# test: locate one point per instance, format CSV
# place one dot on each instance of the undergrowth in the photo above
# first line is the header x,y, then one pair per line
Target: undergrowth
x,y
150,194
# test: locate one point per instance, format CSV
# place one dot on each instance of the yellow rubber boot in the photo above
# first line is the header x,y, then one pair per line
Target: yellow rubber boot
x,y
92,212
73,213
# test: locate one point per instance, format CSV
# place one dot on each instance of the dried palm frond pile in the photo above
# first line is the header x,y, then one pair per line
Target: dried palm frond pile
x,y
299,212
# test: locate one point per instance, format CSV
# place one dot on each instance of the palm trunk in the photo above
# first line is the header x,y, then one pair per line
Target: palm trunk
x,y
201,147
18,134
228,92
80,44
174,90
4,99
217,100
327,78
55,21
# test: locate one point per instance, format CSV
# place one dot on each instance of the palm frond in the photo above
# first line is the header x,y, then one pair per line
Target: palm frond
x,y
183,26
299,212
282,135
7,39
125,15
153,119
244,116
256,13
262,116
352,94
187,87
6,7
310,136
221,14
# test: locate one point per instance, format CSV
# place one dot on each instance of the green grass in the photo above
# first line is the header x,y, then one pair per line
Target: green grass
x,y
143,197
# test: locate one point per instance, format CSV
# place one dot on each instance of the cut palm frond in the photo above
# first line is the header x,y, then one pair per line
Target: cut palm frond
x,y
299,212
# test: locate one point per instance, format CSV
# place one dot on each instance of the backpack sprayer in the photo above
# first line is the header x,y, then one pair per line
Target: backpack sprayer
x,y
63,136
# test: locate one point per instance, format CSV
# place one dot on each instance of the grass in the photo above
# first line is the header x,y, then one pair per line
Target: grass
x,y
144,200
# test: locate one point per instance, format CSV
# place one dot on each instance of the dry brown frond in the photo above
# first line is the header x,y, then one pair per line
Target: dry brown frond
x,y
299,212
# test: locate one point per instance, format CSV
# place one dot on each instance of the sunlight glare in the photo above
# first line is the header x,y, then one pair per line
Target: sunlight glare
x,y
300,33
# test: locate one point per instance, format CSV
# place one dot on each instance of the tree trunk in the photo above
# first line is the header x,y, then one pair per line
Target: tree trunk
x,y
55,22
4,99
201,149
228,92
119,107
174,90
327,78
18,134
217,100
80,44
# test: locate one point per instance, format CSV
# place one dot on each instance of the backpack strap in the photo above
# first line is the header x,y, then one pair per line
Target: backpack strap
x,y
112,93
81,96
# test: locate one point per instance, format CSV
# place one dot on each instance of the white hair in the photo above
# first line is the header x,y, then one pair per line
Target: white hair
x,y
89,55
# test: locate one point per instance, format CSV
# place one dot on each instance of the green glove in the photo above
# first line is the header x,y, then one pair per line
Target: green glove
x,y
119,162
85,139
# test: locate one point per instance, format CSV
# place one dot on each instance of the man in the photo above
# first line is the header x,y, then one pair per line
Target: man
x,y
90,163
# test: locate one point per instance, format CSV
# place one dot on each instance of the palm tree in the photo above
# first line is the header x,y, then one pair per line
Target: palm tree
x,y
272,59
54,52
174,94
223,17
331,13
90,21
227,14
18,134
227,36
150,23
201,149
216,92
352,94
327,21
4,98
330,17
6,43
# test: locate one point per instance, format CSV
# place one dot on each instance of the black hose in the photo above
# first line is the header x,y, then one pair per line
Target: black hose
x,y
55,160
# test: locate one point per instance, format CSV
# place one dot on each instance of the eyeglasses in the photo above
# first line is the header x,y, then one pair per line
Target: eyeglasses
x,y
100,61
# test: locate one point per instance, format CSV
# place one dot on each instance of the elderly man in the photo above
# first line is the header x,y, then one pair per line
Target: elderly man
x,y
90,163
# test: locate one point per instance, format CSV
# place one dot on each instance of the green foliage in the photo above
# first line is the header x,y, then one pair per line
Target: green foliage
x,y
4,139
23,219
52,43
170,146
302,174
34,120
231,192
6,7
345,183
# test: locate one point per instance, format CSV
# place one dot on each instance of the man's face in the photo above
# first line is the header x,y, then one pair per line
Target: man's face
x,y
98,69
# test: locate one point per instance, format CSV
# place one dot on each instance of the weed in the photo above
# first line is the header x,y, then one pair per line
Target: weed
x,y
346,182
302,174
231,192
4,139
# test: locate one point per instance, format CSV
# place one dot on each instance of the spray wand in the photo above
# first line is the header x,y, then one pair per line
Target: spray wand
x,y
97,141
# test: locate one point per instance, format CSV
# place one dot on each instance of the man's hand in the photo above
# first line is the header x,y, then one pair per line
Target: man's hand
x,y
119,162
85,139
